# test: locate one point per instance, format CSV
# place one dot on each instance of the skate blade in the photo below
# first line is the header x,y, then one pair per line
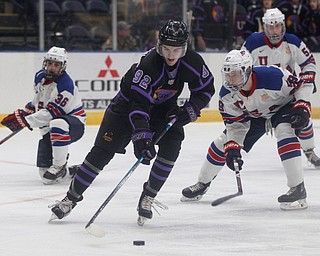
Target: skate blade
x,y
297,205
53,217
141,220
316,166
192,199
63,179
49,182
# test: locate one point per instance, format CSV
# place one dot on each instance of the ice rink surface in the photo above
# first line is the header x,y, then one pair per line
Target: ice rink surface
x,y
251,224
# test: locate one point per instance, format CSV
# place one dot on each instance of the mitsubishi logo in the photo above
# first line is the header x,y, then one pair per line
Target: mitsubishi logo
x,y
113,72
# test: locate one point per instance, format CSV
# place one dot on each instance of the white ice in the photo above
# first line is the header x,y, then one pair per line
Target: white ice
x,y
251,224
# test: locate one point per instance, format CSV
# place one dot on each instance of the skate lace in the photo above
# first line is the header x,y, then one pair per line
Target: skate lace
x,y
291,191
312,158
149,202
196,187
65,205
55,169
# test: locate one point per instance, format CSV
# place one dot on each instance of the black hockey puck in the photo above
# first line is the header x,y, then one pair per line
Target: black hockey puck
x,y
139,242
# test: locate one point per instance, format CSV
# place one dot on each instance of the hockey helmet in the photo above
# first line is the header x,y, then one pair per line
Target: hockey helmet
x,y
56,54
173,33
237,67
273,17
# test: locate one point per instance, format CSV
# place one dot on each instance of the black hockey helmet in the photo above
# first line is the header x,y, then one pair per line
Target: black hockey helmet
x,y
173,33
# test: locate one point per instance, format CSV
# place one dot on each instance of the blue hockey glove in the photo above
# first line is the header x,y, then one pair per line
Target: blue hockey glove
x,y
185,114
143,145
232,153
300,114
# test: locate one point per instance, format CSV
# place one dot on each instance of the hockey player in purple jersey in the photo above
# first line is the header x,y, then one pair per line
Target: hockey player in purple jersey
x,y
57,111
139,112
276,47
252,102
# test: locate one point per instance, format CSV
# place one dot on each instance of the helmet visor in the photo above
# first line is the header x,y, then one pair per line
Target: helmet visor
x,y
274,32
233,80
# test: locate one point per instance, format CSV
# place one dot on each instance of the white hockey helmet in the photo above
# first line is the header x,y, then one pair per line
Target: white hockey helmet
x,y
56,54
236,70
273,17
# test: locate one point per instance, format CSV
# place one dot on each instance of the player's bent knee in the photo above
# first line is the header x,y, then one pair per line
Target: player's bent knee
x,y
220,141
59,123
283,131
99,157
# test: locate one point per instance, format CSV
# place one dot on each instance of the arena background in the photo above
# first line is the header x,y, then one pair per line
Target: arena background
x,y
98,75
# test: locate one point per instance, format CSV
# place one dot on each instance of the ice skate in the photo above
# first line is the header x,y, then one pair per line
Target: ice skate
x,y
312,158
62,208
69,174
294,199
194,192
73,170
144,208
54,174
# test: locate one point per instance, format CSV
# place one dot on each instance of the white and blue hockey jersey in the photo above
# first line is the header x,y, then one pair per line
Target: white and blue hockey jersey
x,y
272,88
53,99
288,53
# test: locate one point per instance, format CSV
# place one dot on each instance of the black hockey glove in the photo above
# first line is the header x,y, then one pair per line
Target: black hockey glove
x,y
189,112
232,153
16,121
143,145
300,114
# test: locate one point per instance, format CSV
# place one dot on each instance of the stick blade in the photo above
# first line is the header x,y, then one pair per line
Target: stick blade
x,y
95,230
225,198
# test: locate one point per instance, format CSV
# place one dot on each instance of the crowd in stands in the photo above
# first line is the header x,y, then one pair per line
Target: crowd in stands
x,y
212,19
216,25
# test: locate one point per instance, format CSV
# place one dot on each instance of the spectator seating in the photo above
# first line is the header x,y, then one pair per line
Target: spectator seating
x,y
78,38
97,7
72,6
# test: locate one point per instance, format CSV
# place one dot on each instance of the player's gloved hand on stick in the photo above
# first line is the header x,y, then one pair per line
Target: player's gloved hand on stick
x,y
185,114
232,153
143,145
16,121
300,114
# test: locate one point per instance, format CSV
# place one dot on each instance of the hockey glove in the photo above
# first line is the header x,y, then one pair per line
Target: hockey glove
x,y
16,121
232,153
29,109
185,114
143,145
300,114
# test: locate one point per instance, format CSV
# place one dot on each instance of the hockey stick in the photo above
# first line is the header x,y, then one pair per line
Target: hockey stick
x,y
96,230
9,136
239,193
